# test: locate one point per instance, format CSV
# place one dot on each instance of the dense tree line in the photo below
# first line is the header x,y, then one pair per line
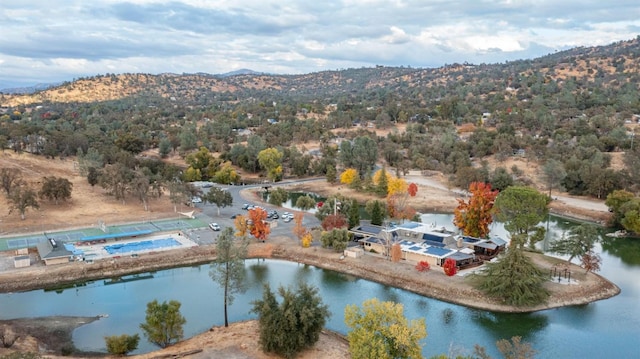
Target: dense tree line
x,y
455,117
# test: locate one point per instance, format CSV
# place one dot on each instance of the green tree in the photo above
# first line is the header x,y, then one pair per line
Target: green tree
x,y
56,189
380,330
122,344
305,202
293,325
228,268
501,179
271,160
130,143
203,162
360,154
521,209
580,241
513,279
631,220
93,176
116,179
219,197
382,183
278,196
331,174
354,213
553,174
163,324
164,147
188,139
93,158
140,187
226,174
376,210
21,199
617,203
336,238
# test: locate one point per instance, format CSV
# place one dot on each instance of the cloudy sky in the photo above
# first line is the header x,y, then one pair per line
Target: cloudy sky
x,y
44,41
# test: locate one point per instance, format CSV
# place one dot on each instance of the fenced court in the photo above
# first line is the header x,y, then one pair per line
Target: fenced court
x,y
179,224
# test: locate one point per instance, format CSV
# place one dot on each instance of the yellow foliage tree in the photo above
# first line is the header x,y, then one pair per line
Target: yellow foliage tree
x,y
241,226
307,239
380,330
396,185
348,176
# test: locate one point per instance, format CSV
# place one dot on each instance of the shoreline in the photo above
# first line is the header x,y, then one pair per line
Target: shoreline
x,y
433,284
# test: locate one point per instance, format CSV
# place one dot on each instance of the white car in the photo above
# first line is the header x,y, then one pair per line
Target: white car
x,y
214,226
196,199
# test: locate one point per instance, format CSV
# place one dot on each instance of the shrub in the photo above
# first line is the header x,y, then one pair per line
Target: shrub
x,y
423,266
449,267
122,344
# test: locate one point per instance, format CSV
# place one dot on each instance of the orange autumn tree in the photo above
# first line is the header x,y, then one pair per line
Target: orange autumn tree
x,y
260,228
303,234
474,217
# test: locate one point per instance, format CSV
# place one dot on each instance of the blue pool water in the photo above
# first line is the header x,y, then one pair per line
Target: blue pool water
x,y
141,246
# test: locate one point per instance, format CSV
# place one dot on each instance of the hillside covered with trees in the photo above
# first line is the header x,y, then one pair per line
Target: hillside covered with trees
x,y
575,113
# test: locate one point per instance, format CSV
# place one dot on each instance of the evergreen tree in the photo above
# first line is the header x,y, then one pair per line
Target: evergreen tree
x,y
514,279
293,325
354,213
521,209
376,210
579,242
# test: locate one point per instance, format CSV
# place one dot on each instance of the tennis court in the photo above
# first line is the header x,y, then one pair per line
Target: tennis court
x,y
25,241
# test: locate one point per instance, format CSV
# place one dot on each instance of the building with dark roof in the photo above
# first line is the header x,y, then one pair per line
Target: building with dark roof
x,y
52,252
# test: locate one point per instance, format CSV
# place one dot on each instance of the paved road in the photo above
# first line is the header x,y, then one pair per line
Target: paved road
x,y
210,212
590,204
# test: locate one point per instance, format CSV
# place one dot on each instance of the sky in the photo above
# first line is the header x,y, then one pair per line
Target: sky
x,y
49,41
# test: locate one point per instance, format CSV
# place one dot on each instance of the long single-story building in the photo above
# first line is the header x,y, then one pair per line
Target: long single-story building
x,y
423,242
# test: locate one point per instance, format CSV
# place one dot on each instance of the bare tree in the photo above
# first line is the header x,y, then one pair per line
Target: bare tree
x,y
9,178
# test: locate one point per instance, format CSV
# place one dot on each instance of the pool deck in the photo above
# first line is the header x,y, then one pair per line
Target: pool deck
x,y
98,251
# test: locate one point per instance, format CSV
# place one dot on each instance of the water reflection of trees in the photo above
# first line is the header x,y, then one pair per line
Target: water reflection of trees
x,y
627,249
507,325
336,280
259,271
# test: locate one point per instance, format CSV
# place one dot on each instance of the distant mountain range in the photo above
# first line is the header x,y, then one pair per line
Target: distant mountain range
x,y
29,89
590,74
44,86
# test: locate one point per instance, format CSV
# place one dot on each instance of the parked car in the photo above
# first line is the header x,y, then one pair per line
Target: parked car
x,y
246,206
196,199
214,226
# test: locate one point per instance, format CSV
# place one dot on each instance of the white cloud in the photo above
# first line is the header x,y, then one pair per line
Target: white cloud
x,y
73,39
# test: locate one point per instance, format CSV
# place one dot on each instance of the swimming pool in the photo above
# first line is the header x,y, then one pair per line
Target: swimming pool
x,y
141,246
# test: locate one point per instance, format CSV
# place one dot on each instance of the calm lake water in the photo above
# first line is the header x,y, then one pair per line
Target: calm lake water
x,y
605,329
